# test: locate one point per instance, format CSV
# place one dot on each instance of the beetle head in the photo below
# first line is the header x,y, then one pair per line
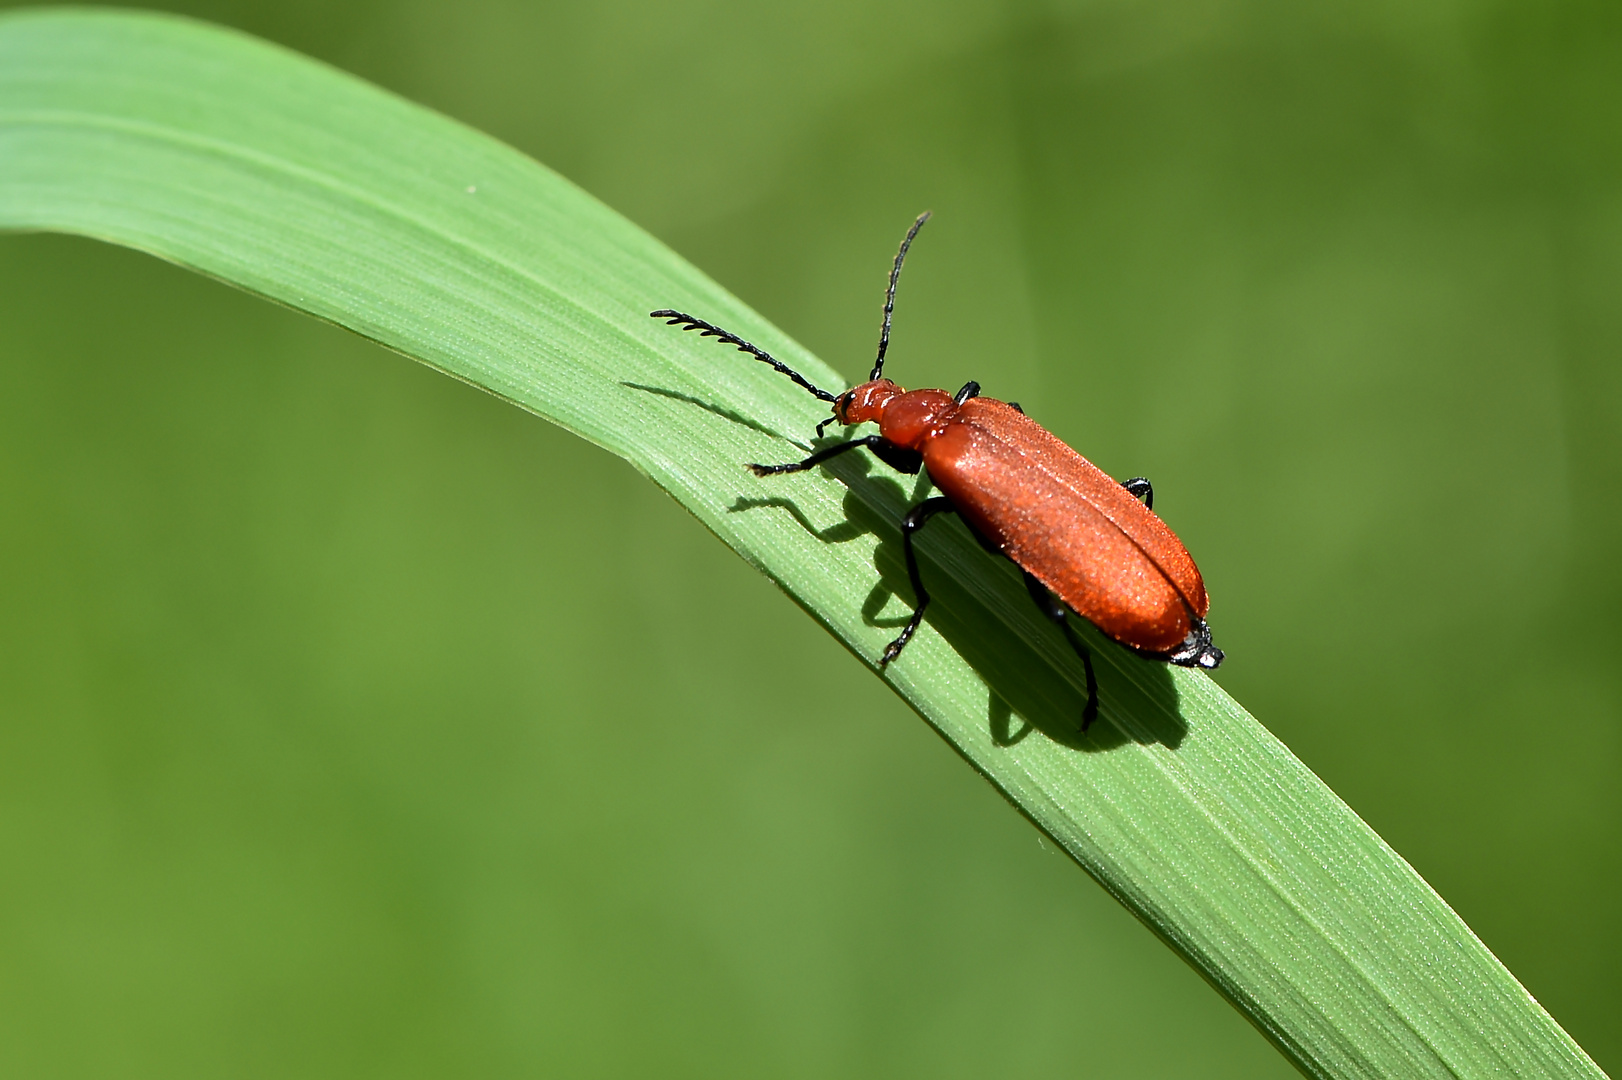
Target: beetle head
x,y
865,402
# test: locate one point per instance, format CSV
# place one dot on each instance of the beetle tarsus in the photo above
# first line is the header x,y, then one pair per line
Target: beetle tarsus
x,y
893,650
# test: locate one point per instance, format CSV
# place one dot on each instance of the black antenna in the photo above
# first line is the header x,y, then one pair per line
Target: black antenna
x,y
674,318
889,296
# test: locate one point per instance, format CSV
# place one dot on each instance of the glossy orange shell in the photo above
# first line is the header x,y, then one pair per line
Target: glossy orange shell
x,y
1065,520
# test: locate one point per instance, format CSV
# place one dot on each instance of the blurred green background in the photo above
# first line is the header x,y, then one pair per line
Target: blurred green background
x,y
316,667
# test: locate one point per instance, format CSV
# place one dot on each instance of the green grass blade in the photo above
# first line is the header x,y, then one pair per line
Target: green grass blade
x,y
294,181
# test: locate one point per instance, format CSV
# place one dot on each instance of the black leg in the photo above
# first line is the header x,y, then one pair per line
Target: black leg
x,y
899,458
871,441
1053,609
910,524
971,389
1139,488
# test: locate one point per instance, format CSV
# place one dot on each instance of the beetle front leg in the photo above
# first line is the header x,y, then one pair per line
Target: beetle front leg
x,y
1139,488
898,458
915,519
1053,609
817,458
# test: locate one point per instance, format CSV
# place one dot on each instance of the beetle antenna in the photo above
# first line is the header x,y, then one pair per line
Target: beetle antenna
x,y
687,322
889,295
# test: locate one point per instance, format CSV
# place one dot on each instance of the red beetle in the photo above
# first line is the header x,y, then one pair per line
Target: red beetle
x,y
1081,539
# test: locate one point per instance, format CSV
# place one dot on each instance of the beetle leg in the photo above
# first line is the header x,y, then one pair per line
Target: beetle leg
x,y
1139,488
870,441
971,389
1053,609
898,458
915,519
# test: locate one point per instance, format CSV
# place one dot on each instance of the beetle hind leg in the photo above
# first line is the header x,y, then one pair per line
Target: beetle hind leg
x,y
915,519
1139,488
1053,609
